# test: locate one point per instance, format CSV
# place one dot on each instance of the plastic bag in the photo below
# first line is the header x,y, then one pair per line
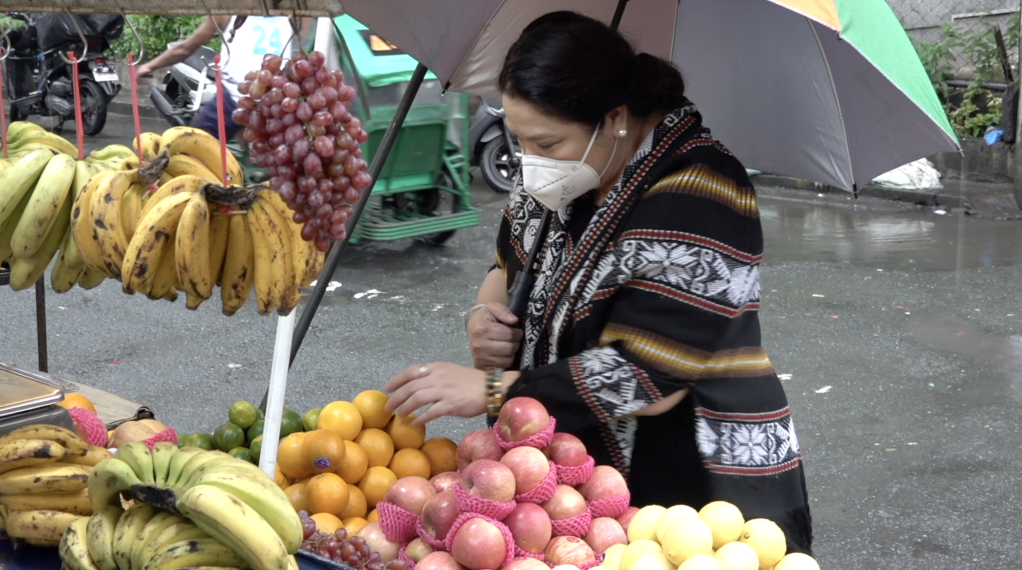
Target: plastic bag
x,y
109,26
58,29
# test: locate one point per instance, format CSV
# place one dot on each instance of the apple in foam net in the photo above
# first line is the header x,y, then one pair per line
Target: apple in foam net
x,y
529,466
479,545
445,481
604,533
438,560
377,541
522,418
418,549
489,479
568,550
566,503
410,493
604,483
530,526
480,444
567,450
626,518
439,513
524,564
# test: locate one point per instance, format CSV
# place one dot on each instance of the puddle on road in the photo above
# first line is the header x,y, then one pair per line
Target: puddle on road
x,y
923,241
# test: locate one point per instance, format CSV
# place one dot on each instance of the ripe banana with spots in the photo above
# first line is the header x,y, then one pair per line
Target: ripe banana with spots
x,y
274,264
238,273
128,527
28,453
155,236
185,165
74,547
100,536
77,502
203,147
192,249
39,528
150,145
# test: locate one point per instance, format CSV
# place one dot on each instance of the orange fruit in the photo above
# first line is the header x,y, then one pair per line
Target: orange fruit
x,y
374,516
299,496
375,484
326,522
323,450
328,493
357,506
280,479
409,462
342,417
354,524
404,434
355,463
290,458
378,446
370,406
75,400
442,454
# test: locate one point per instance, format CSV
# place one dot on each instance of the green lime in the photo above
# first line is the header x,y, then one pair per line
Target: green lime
x,y
242,414
256,448
202,441
228,436
241,453
254,431
182,440
311,419
291,423
260,415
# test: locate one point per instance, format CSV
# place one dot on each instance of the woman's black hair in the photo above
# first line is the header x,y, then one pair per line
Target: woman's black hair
x,y
578,69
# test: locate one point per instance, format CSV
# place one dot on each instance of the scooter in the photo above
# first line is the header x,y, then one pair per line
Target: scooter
x,y
494,150
41,81
185,87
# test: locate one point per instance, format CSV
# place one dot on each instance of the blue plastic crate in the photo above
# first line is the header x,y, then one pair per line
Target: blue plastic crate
x,y
309,561
28,557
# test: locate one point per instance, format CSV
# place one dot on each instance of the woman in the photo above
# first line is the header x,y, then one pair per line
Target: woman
x,y
642,334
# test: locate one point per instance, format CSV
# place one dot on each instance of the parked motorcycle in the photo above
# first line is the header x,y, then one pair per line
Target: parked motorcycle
x,y
185,87
494,150
40,81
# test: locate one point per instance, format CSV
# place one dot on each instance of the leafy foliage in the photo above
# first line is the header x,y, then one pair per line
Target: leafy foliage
x,y
157,32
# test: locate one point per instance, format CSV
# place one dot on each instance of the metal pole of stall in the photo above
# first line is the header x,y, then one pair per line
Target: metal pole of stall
x,y
334,257
40,324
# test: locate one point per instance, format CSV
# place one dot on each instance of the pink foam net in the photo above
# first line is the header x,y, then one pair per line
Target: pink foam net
x,y
463,518
575,475
398,524
402,555
538,440
519,553
472,504
95,431
577,525
435,543
543,491
166,435
612,507
588,565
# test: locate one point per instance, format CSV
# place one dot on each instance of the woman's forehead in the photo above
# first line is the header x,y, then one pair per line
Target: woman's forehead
x,y
527,120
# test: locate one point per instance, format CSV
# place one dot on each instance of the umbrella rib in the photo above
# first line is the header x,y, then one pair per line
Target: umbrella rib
x,y
837,100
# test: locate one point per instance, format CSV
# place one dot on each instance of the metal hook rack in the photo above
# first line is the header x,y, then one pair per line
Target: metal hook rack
x,y
296,33
138,37
223,41
5,51
81,35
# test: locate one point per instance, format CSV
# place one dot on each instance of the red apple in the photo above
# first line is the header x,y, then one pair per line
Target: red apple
x,y
438,560
569,550
480,444
377,541
529,466
567,450
626,518
418,549
530,526
523,564
604,483
445,481
479,545
489,479
521,418
438,514
410,493
566,503
604,533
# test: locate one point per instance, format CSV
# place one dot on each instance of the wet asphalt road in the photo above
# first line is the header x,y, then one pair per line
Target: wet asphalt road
x,y
898,332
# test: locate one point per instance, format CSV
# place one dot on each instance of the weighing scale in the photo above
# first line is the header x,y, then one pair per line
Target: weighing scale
x,y
28,397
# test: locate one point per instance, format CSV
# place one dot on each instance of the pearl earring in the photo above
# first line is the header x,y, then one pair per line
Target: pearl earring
x,y
622,132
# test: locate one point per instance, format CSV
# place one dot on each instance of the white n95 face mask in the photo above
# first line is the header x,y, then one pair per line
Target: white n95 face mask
x,y
555,183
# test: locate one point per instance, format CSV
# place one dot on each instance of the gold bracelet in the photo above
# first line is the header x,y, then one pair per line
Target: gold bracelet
x,y
494,392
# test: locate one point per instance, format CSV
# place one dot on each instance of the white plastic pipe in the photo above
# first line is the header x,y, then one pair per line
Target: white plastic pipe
x,y
275,399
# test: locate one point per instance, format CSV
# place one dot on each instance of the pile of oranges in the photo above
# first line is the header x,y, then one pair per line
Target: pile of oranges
x,y
342,469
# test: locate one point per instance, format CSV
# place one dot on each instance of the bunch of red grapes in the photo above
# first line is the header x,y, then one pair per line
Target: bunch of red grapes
x,y
296,118
339,548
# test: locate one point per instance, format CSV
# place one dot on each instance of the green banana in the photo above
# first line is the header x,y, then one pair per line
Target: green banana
x,y
16,129
162,453
137,455
7,228
194,464
48,196
100,536
108,480
128,527
17,179
26,271
154,527
177,462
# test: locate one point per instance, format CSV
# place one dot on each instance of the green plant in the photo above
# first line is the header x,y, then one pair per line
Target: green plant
x,y
968,118
157,32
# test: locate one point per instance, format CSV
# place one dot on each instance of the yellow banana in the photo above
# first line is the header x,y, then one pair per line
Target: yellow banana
x,y
150,145
177,185
26,271
204,147
100,536
83,224
68,439
238,273
17,179
164,283
96,454
91,278
74,548
40,528
53,478
63,279
108,230
274,265
128,527
29,452
151,242
170,535
76,503
154,527
48,195
192,248
308,259
110,151
219,227
72,258
183,164
206,553
131,210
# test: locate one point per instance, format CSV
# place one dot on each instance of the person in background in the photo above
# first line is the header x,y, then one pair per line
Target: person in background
x,y
250,38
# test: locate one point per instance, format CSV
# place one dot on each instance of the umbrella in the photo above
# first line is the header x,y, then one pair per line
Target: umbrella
x,y
827,90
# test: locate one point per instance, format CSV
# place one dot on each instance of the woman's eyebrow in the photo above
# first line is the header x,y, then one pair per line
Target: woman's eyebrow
x,y
539,137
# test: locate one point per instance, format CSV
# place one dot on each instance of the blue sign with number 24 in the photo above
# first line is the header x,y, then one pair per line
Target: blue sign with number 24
x,y
264,45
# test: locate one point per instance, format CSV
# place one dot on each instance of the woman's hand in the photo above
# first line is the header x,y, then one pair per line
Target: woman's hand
x,y
492,336
448,389
663,406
